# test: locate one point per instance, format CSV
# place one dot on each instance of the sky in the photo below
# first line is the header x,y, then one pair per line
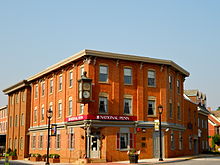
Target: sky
x,y
35,34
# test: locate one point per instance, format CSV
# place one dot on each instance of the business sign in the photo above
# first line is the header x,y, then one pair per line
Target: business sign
x,y
53,130
156,125
101,117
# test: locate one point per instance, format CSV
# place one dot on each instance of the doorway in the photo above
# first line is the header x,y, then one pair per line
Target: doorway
x,y
156,141
94,146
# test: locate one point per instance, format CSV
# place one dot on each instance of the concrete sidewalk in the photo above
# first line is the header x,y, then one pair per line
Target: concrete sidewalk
x,y
141,161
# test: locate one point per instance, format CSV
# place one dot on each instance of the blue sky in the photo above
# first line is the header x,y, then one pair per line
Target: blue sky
x,y
37,34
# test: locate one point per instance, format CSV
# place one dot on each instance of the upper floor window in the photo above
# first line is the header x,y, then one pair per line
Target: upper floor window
x,y
103,104
127,106
170,82
178,86
103,73
43,89
82,70
151,78
36,91
127,76
70,111
70,79
60,109
178,112
35,115
23,95
42,113
60,82
51,86
10,121
171,109
16,98
22,119
12,99
40,143
81,111
16,120
151,107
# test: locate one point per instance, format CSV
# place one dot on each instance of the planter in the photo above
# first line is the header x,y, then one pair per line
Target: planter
x,y
35,159
12,157
133,158
54,160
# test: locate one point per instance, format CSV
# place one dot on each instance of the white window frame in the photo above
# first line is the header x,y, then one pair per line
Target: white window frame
x,y
70,78
60,82
51,86
151,77
129,75
70,108
60,109
153,100
103,70
130,102
105,99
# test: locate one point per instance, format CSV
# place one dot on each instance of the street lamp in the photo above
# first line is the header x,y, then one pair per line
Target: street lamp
x,y
160,109
49,116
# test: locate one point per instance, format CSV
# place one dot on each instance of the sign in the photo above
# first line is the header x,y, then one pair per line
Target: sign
x,y
101,117
156,125
53,130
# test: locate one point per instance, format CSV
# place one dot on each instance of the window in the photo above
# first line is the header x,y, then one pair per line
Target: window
x,y
22,119
40,144
60,82
23,96
70,79
10,143
51,86
42,113
35,115
15,143
16,120
178,86
172,140
103,73
151,107
21,143
58,140
36,91
127,106
178,112
151,78
70,106
51,106
81,110
125,139
10,121
103,107
171,109
170,82
16,98
43,89
81,70
180,141
71,138
127,76
33,141
202,123
190,142
60,109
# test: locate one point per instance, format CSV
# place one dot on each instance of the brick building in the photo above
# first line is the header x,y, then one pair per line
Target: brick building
x,y
3,127
200,99
213,125
126,91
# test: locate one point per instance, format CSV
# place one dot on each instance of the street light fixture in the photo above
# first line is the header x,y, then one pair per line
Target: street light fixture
x,y
49,116
160,109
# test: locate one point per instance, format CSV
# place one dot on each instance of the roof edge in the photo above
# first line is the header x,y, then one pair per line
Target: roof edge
x,y
15,87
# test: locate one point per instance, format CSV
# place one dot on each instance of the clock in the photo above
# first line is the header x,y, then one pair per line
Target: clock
x,y
86,86
86,94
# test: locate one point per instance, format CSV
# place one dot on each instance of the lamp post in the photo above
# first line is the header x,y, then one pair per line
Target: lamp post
x,y
49,116
160,109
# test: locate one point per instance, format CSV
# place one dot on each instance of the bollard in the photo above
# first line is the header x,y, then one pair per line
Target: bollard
x,y
6,159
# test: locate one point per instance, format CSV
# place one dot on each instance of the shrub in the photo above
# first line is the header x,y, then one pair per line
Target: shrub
x,y
9,151
54,156
215,140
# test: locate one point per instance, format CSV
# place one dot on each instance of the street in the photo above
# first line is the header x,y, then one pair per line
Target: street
x,y
198,161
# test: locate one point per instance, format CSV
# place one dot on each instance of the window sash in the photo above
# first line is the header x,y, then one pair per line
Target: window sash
x,y
127,106
51,86
103,107
103,73
151,107
127,75
60,82
70,107
151,78
59,109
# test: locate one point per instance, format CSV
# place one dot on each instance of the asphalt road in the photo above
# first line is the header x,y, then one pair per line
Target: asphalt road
x,y
198,161
12,163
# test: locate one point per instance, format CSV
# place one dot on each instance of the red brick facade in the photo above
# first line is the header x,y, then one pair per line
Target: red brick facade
x,y
126,91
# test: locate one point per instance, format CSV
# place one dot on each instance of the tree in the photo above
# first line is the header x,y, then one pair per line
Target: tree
x,y
215,140
218,109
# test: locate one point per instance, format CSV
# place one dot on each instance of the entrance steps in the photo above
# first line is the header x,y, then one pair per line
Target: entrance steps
x,y
93,160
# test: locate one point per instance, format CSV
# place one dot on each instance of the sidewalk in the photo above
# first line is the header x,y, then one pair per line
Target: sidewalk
x,y
141,161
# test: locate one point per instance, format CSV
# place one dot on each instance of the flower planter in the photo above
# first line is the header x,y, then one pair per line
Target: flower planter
x,y
54,160
133,158
35,159
12,157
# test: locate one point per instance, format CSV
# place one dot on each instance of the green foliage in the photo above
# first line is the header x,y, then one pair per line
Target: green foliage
x,y
218,109
13,153
8,151
215,140
54,156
